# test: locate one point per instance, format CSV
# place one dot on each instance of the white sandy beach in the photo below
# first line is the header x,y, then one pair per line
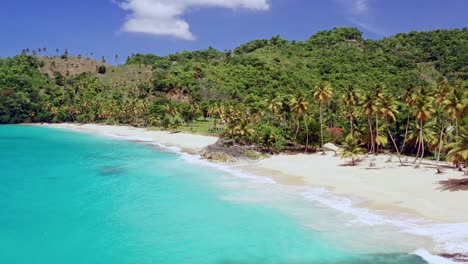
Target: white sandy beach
x,y
386,186
187,142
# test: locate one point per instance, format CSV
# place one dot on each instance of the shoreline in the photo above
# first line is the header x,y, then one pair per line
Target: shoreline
x,y
385,188
387,185
189,143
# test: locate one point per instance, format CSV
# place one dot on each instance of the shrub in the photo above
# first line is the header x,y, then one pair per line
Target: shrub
x,y
102,69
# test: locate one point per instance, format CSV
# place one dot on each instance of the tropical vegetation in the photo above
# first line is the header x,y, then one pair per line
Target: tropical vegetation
x,y
406,94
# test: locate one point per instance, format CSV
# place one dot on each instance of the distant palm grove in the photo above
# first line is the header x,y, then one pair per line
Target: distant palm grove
x,y
405,94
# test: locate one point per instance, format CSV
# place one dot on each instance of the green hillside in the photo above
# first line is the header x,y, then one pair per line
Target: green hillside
x,y
268,92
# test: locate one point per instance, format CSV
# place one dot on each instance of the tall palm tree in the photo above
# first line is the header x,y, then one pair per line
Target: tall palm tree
x,y
378,95
440,95
370,107
299,106
351,100
388,109
409,99
423,111
323,93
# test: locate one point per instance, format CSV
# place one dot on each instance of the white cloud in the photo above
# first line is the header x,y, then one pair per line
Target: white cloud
x,y
164,17
360,6
367,26
360,13
355,7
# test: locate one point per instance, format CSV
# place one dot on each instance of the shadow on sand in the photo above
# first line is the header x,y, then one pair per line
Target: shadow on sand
x,y
454,185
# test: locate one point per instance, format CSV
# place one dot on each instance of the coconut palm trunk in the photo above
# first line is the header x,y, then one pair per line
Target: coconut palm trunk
x,y
406,135
297,129
393,140
417,152
440,144
321,126
371,134
376,134
307,134
422,143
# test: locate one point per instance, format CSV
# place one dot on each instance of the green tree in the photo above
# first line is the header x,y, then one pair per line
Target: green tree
x,y
351,148
388,109
323,93
351,100
299,106
423,112
458,151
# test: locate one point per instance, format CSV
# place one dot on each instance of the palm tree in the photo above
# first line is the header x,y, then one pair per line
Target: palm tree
x,y
378,95
410,99
370,107
244,128
458,152
440,94
323,93
388,109
274,104
299,105
423,111
170,109
351,148
351,100
456,105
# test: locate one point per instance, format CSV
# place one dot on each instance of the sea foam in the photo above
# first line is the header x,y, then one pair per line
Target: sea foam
x,y
448,237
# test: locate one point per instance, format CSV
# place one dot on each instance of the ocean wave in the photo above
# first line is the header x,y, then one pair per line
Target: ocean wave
x,y
431,258
448,237
129,138
196,159
172,149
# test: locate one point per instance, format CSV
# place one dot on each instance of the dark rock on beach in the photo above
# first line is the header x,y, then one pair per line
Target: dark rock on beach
x,y
228,151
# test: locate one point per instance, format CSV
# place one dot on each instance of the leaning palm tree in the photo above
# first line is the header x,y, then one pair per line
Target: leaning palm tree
x,y
351,148
299,106
323,93
458,151
388,109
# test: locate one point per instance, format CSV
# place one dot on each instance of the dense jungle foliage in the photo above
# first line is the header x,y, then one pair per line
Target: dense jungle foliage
x,y
405,93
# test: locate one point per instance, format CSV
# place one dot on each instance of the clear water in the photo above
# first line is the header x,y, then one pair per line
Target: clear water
x,y
68,197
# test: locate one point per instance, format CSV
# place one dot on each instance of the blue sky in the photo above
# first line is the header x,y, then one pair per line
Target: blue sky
x,y
109,27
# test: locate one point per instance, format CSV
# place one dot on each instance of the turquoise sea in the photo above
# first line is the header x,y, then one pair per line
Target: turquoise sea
x,y
69,197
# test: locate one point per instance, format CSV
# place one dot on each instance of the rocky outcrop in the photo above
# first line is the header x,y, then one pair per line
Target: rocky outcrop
x,y
227,151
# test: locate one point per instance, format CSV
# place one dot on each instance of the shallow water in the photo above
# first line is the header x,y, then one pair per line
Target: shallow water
x,y
68,197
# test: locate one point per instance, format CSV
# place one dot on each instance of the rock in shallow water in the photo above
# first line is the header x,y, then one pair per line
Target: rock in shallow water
x,y
110,170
